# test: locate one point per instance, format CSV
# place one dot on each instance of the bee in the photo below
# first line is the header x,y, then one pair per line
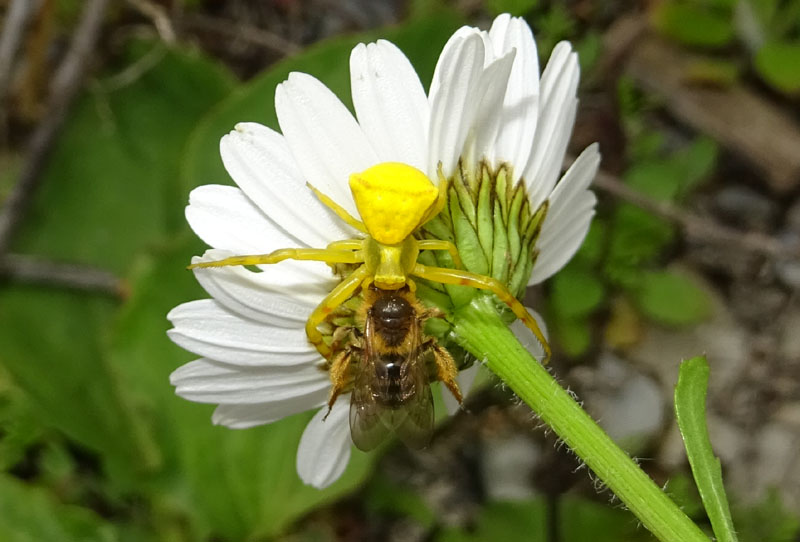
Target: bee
x,y
391,359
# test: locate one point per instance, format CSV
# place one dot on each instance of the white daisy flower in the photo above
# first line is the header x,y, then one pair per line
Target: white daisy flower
x,y
487,107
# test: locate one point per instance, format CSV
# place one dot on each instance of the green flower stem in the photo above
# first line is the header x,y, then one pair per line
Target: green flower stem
x,y
482,332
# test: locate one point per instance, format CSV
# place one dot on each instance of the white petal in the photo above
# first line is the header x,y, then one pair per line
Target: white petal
x,y
465,380
260,162
526,337
556,117
250,415
207,381
483,133
224,217
521,102
272,297
390,103
455,90
569,216
325,139
324,448
207,329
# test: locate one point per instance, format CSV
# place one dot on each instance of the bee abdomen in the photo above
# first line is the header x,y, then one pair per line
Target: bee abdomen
x,y
394,385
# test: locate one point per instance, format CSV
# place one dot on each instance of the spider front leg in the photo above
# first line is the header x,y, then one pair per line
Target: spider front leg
x,y
481,282
343,291
328,255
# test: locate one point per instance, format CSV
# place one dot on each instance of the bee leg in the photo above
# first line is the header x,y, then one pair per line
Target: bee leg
x,y
433,312
446,370
338,374
341,334
465,278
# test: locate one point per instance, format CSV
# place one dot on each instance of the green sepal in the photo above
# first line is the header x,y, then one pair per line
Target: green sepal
x,y
485,214
514,241
467,242
521,273
464,197
502,190
501,256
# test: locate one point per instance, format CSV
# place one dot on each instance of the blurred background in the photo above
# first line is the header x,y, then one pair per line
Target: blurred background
x,y
111,112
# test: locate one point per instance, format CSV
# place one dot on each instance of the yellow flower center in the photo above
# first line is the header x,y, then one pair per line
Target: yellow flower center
x,y
393,200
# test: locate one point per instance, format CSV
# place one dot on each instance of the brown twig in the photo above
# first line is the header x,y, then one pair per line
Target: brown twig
x,y
35,270
159,16
251,34
693,225
63,90
16,23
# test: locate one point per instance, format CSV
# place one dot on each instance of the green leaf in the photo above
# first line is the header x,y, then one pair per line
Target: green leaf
x,y
637,238
690,411
778,63
594,246
658,178
693,24
697,162
19,427
29,514
109,191
576,292
516,8
671,299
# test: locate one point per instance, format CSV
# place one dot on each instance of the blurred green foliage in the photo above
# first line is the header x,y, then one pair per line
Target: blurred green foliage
x,y
769,30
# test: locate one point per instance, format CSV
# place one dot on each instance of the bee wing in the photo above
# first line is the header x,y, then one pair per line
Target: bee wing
x,y
413,421
367,427
366,424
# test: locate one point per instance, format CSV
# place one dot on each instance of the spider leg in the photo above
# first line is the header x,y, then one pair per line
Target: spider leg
x,y
438,244
336,297
317,254
346,244
465,278
338,209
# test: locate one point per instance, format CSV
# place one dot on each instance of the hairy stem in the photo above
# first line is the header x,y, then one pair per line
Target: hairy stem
x,y
481,331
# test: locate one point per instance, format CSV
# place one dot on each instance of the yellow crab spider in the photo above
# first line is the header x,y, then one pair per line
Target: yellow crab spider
x,y
394,200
